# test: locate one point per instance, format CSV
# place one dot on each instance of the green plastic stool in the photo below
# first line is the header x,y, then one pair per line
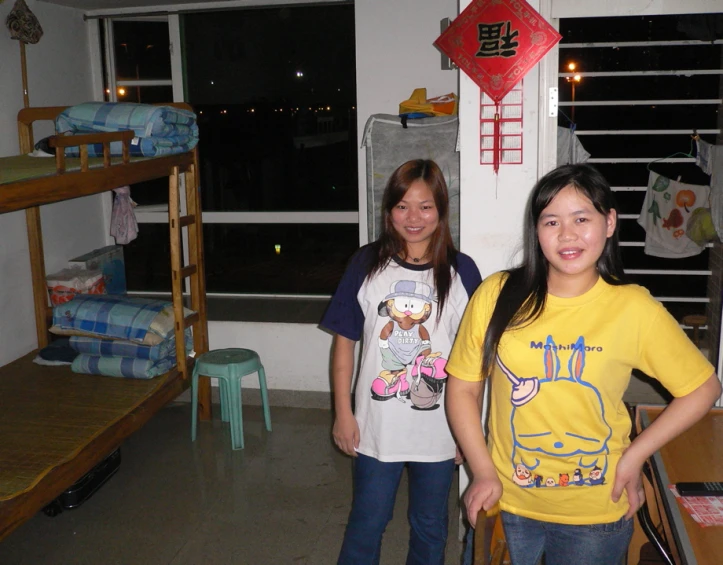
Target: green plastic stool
x,y
229,366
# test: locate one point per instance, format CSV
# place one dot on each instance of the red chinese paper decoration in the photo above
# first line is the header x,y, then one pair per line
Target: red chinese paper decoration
x,y
496,42
501,128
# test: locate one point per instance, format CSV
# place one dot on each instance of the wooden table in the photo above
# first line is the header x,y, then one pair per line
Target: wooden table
x,y
695,455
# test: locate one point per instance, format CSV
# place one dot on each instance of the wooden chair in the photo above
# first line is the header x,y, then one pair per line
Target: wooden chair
x,y
490,547
696,321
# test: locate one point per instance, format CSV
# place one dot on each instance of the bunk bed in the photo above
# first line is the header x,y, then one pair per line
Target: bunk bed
x,y
56,425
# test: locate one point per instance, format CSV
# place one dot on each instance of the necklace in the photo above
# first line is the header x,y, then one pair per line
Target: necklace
x,y
415,259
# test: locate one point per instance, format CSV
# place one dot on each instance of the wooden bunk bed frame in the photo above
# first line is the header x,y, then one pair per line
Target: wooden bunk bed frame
x,y
29,194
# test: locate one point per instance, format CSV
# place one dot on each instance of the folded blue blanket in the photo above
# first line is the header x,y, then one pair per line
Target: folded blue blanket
x,y
121,366
121,348
159,130
116,316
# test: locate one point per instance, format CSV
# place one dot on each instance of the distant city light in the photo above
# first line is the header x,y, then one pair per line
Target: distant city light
x,y
299,74
211,82
328,108
121,91
571,66
107,90
277,248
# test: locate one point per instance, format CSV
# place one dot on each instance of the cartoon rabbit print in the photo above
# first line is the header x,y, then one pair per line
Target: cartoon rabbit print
x,y
549,428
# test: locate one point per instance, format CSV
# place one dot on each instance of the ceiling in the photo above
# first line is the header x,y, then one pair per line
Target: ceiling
x,y
125,6
86,5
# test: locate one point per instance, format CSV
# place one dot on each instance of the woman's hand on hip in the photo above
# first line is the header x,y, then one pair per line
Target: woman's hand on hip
x,y
629,477
483,493
346,433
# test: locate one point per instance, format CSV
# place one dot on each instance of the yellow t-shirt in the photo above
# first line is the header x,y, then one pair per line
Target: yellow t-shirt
x,y
557,423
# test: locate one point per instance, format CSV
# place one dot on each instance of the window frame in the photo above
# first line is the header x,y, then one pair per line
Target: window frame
x,y
158,214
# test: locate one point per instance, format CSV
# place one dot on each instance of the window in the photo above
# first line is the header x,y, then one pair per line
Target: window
x,y
640,87
138,50
275,95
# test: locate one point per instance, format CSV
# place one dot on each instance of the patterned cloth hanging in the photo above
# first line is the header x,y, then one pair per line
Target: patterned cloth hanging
x,y
23,24
123,223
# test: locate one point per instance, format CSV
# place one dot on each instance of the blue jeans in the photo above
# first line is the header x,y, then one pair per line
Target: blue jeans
x,y
562,544
375,489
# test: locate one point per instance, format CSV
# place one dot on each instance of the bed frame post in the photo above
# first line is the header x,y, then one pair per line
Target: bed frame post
x,y
35,245
198,279
37,270
194,271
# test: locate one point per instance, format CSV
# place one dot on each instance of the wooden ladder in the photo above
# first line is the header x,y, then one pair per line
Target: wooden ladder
x,y
194,271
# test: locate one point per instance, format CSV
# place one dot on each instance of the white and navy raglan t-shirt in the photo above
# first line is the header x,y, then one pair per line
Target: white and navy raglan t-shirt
x,y
402,379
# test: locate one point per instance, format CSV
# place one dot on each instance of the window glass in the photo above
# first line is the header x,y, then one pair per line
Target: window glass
x,y
277,258
148,259
145,94
666,101
150,192
142,50
274,89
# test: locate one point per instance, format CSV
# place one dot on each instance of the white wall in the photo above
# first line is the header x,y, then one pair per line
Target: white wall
x,y
295,356
492,206
58,74
394,55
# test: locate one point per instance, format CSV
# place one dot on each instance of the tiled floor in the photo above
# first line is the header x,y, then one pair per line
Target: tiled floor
x,y
282,500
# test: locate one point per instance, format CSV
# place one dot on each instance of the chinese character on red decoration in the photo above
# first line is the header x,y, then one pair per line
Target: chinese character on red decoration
x,y
489,36
496,42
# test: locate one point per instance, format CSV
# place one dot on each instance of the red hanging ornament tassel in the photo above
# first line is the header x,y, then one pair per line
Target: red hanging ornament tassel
x,y
496,149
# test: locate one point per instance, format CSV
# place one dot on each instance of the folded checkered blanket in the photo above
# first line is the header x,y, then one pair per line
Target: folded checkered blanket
x,y
121,348
121,366
117,317
159,130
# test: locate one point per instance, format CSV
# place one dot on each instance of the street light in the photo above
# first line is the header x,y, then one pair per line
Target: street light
x,y
573,80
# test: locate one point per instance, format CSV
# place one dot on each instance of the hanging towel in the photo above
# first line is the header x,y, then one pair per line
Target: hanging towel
x,y
710,159
666,210
569,148
123,223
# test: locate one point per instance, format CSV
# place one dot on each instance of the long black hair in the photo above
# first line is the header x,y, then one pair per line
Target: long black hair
x,y
523,296
441,247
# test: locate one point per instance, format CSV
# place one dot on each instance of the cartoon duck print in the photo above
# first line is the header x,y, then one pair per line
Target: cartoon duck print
x,y
540,428
596,477
522,476
406,348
